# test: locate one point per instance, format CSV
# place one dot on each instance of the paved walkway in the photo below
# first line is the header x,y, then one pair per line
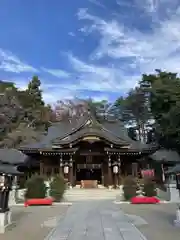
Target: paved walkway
x,y
97,220
33,223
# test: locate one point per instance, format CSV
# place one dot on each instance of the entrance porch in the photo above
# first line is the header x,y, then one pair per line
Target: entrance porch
x,y
89,178
88,164
91,169
88,170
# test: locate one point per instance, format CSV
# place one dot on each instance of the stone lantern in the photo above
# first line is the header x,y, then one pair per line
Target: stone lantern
x,y
7,173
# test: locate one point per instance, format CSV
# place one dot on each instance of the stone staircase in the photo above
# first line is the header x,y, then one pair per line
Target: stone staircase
x,y
78,194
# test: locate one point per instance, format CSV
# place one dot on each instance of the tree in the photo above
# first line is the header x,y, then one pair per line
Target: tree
x,y
35,92
23,115
132,133
65,110
10,110
135,109
5,86
164,97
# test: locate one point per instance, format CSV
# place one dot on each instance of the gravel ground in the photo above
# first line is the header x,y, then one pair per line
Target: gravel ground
x,y
33,223
159,218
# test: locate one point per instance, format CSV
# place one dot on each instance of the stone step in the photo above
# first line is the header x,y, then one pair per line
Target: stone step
x,y
73,199
91,194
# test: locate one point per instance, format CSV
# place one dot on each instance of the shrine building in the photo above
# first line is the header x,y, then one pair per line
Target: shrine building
x,y
88,151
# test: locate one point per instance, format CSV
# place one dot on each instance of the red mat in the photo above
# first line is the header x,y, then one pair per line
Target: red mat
x,y
38,201
145,200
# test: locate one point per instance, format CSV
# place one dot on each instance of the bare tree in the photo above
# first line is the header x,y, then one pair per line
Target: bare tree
x,y
65,110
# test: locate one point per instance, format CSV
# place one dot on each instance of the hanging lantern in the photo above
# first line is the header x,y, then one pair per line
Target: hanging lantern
x,y
147,173
66,169
115,169
2,180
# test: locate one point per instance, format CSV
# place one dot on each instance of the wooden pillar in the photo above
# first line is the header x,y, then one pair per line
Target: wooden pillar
x,y
119,172
41,167
163,174
115,183
71,177
102,174
61,166
135,169
109,171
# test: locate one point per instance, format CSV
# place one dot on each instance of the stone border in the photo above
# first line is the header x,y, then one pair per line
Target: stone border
x,y
122,202
54,204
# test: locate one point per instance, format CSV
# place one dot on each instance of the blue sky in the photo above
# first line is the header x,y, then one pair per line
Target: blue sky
x,y
87,48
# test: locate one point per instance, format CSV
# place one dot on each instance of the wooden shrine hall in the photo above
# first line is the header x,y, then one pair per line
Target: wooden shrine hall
x,y
88,152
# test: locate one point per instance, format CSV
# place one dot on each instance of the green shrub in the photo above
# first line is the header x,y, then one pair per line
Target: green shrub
x,y
129,187
57,188
149,188
35,188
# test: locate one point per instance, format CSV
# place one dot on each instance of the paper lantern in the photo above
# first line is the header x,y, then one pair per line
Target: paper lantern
x,y
115,169
2,180
66,169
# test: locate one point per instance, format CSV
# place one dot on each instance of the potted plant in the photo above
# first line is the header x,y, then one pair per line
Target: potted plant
x,y
129,187
35,188
149,188
57,188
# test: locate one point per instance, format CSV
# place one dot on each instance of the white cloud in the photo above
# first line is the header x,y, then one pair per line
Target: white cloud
x,y
11,63
72,34
97,3
99,98
100,78
52,97
57,72
144,51
150,6
133,51
124,3
51,91
60,91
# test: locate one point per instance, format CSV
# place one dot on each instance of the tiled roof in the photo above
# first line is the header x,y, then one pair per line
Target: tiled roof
x,y
8,169
175,169
165,155
67,132
12,156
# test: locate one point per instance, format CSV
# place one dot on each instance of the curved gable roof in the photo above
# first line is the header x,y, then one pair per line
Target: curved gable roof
x,y
90,131
67,132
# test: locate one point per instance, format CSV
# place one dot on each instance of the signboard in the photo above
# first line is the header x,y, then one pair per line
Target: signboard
x,y
147,173
88,166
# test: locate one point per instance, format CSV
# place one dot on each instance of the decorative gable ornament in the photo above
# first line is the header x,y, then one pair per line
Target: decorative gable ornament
x,y
91,138
66,138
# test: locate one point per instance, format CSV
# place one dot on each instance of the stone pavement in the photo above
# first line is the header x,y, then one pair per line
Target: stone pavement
x,y
158,220
33,223
97,220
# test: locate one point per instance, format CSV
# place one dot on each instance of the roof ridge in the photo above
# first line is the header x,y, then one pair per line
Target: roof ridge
x,y
75,129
